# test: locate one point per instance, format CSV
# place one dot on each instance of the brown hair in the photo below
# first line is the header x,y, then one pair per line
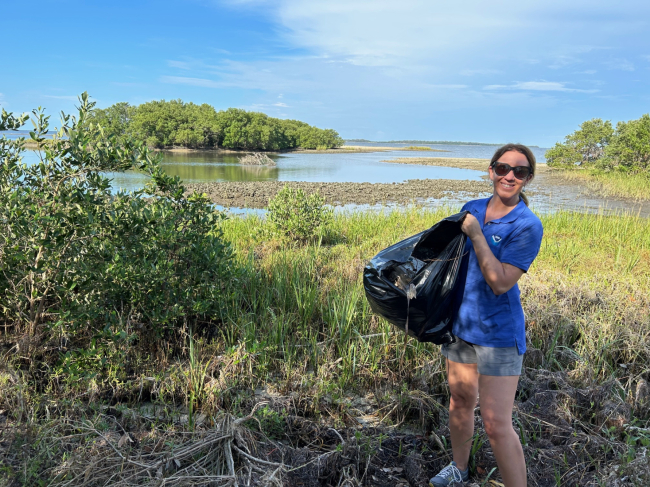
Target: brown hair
x,y
523,150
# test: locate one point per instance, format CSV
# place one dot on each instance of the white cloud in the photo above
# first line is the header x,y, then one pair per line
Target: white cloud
x,y
182,80
475,72
620,64
538,86
179,64
280,105
358,64
447,87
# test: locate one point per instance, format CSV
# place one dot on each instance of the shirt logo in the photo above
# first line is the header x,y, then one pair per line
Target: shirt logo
x,y
496,240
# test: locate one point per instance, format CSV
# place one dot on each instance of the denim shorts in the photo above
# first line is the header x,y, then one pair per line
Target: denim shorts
x,y
491,360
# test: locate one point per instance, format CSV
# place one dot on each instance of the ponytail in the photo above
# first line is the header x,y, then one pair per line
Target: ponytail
x,y
524,198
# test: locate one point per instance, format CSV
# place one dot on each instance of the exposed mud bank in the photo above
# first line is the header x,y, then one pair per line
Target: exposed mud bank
x,y
256,194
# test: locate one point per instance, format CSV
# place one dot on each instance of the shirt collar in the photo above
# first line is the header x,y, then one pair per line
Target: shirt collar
x,y
480,210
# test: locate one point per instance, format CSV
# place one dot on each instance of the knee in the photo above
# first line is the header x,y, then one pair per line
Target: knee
x,y
462,401
497,427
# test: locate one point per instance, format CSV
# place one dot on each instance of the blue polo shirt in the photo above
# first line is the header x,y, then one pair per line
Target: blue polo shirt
x,y
484,318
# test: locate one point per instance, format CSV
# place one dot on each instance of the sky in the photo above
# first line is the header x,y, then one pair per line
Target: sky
x,y
500,71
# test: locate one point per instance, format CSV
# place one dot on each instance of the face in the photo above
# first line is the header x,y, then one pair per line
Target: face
x,y
509,186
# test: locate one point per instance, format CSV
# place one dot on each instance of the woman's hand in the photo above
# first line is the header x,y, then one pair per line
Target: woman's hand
x,y
499,276
471,227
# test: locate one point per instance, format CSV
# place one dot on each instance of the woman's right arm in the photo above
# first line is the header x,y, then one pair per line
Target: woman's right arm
x,y
499,276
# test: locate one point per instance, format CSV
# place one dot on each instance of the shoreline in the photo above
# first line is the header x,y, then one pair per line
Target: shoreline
x,y
339,150
460,163
30,144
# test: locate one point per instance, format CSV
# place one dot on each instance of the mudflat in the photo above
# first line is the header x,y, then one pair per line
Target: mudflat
x,y
256,194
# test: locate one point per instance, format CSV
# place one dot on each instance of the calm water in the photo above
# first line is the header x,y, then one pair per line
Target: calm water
x,y
198,167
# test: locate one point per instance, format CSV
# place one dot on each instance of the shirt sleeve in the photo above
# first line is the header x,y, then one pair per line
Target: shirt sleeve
x,y
522,248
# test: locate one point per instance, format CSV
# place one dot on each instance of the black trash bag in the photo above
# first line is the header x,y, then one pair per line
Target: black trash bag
x,y
413,284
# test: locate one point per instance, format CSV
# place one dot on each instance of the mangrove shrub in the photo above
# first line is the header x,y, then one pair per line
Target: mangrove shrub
x,y
298,216
597,144
175,123
90,279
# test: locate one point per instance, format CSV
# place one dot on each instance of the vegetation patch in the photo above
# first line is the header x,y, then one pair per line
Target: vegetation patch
x,y
164,124
418,148
297,216
613,183
612,161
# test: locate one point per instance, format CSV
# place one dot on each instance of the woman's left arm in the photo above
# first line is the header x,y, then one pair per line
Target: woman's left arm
x,y
499,276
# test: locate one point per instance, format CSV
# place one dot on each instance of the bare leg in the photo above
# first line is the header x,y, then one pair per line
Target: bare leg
x,y
497,400
463,384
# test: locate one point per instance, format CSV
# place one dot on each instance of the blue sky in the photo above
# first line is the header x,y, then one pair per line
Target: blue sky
x,y
480,71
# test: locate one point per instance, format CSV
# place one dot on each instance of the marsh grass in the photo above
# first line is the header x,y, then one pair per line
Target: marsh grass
x,y
613,183
297,331
418,148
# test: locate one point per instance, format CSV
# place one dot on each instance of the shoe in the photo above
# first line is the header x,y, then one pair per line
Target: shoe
x,y
449,475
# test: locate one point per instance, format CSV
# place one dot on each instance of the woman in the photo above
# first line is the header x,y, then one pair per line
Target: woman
x,y
486,359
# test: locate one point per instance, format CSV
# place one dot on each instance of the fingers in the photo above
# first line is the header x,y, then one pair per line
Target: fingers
x,y
469,224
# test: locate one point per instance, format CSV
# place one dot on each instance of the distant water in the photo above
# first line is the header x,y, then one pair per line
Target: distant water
x,y
454,150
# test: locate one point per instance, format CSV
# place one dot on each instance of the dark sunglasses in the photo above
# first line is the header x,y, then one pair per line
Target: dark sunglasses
x,y
520,172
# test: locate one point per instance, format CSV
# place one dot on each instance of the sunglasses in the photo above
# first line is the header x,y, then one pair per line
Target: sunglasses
x,y
520,172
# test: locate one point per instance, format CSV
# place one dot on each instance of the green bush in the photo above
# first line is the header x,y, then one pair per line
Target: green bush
x,y
296,216
95,278
630,146
584,146
597,145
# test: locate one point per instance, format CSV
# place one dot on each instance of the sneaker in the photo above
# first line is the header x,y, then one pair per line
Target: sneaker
x,y
449,475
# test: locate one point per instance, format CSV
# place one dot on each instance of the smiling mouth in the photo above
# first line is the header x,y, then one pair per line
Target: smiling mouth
x,y
506,185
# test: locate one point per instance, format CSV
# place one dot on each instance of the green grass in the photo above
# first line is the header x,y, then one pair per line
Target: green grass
x,y
297,319
613,183
591,276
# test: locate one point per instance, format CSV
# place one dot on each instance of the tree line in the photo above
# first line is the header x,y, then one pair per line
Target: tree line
x,y
163,124
598,144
